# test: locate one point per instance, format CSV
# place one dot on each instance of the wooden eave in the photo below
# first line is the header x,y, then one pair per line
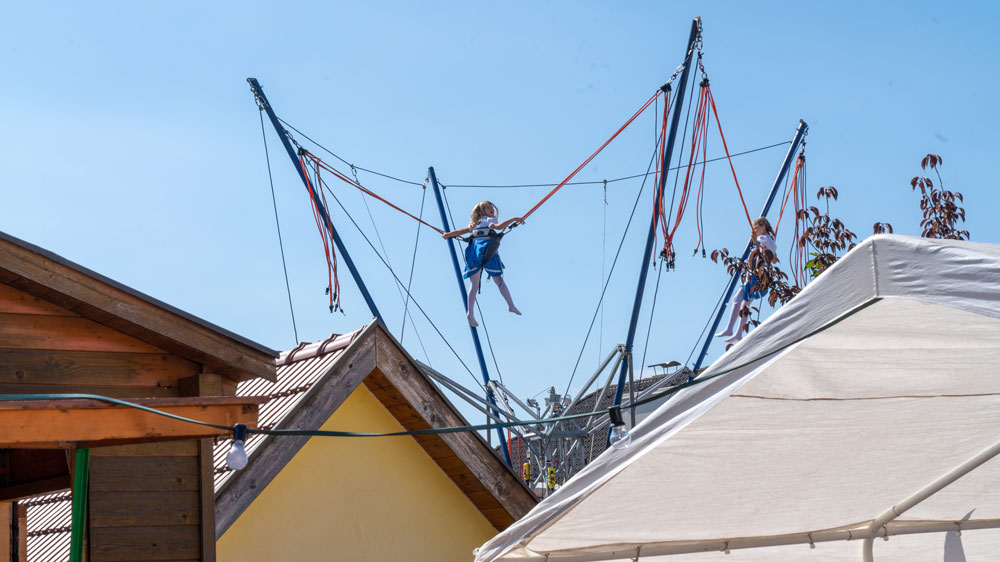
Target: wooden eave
x,y
376,360
61,282
49,424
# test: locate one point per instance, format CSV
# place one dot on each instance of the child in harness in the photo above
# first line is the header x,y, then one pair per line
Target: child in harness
x,y
482,253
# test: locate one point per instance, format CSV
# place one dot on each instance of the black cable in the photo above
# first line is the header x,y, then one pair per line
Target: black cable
x,y
704,329
504,186
649,329
409,284
281,245
330,152
378,235
398,281
610,273
623,178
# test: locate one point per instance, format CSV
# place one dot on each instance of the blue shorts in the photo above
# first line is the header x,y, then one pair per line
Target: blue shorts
x,y
474,253
750,292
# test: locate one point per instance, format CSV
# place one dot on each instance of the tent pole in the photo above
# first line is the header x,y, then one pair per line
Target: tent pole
x,y
867,546
621,552
800,132
934,487
283,135
465,302
657,195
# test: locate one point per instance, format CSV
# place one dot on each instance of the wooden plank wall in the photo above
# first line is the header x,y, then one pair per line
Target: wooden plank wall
x,y
146,501
46,348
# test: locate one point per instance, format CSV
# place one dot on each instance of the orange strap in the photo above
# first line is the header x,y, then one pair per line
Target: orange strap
x,y
698,136
711,98
365,190
792,188
596,152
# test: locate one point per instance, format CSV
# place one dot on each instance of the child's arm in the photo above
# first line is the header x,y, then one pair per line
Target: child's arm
x,y
455,233
506,223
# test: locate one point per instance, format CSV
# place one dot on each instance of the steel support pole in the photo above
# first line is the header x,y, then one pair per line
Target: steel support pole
x,y
657,194
800,132
465,303
283,135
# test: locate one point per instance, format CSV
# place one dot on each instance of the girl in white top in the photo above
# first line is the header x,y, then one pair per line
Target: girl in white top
x,y
481,253
763,235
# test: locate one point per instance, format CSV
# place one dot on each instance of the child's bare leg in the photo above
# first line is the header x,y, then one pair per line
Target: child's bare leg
x,y
473,289
506,294
743,323
737,306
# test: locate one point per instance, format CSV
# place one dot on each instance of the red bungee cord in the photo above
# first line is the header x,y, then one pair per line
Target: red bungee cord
x,y
321,164
698,138
592,156
711,98
796,191
325,228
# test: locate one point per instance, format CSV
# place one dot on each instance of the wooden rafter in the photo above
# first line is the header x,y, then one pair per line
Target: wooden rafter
x,y
90,423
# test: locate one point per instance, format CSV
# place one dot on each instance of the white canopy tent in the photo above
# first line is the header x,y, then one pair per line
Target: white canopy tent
x,y
851,414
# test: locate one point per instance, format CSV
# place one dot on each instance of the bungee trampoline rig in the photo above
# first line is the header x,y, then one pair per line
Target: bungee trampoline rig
x,y
550,445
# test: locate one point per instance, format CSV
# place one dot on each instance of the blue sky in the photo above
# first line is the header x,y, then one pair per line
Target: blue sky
x,y
133,147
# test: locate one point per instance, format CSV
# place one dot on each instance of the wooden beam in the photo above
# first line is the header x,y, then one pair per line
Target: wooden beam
x,y
91,423
84,292
355,363
36,487
206,500
22,532
202,384
6,510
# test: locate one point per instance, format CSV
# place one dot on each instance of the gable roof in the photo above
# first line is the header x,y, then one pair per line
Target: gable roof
x,y
58,281
314,380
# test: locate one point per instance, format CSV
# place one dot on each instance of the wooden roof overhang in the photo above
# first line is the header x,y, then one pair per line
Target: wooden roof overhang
x,y
32,432
69,424
63,283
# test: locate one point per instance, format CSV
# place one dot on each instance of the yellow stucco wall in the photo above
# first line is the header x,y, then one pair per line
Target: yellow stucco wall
x,y
358,499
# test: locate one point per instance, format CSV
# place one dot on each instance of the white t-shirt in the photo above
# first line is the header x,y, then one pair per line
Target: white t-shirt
x,y
767,241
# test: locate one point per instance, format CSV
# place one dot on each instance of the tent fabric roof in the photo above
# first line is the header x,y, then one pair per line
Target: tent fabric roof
x,y
880,377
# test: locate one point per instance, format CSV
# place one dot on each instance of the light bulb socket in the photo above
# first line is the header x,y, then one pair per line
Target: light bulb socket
x,y
240,432
616,415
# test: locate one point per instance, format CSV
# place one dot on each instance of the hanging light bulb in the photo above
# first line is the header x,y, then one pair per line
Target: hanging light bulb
x,y
619,437
237,457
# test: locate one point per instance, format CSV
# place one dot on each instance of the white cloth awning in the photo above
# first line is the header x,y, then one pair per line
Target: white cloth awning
x,y
880,377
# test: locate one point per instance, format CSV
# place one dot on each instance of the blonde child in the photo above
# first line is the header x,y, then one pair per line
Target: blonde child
x,y
481,253
763,235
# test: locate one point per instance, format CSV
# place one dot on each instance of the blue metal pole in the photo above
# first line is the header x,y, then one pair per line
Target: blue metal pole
x,y
283,135
657,194
799,133
465,303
